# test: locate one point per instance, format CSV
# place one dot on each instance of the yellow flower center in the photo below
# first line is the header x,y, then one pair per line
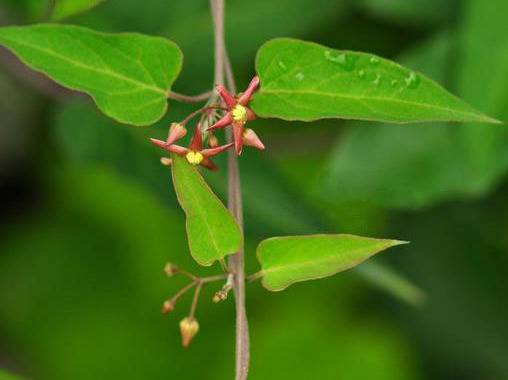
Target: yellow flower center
x,y
194,158
239,113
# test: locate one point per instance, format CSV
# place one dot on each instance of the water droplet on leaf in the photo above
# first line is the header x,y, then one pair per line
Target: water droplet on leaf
x,y
300,76
374,60
361,74
412,80
377,81
282,65
344,60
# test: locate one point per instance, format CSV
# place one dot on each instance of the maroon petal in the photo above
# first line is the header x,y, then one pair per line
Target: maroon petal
x,y
238,137
250,114
197,140
247,95
207,163
177,149
226,96
215,151
223,122
160,144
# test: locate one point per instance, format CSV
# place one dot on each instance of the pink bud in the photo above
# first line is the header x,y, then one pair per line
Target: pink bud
x,y
168,306
176,132
250,138
189,327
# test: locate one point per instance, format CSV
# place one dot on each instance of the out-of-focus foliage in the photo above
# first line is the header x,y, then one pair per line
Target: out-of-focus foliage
x,y
89,216
66,8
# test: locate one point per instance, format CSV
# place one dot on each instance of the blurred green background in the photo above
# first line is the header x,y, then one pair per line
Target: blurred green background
x,y
88,215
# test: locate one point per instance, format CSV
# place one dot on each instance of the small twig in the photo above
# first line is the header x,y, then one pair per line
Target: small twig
x,y
218,277
230,78
182,291
186,274
201,111
195,299
189,98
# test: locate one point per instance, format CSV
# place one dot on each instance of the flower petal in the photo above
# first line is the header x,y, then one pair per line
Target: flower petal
x,y
207,163
160,143
247,95
177,149
223,122
226,96
197,140
215,151
238,137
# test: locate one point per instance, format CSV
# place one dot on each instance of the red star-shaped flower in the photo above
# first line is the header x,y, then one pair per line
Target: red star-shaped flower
x,y
237,115
194,154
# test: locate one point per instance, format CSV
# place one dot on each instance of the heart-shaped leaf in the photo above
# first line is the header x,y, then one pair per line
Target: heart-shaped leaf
x,y
211,229
289,259
306,81
128,75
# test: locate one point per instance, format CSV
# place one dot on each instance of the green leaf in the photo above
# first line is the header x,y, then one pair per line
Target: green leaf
x,y
66,8
211,229
290,259
306,81
128,75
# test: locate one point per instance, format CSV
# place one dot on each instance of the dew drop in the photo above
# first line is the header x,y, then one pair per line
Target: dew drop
x,y
374,60
412,80
377,81
344,60
300,76
394,82
282,65
361,74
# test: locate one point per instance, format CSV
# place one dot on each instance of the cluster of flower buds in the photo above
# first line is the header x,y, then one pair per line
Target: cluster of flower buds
x,y
237,115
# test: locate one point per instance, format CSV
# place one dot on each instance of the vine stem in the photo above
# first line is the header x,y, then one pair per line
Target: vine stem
x,y
189,98
236,261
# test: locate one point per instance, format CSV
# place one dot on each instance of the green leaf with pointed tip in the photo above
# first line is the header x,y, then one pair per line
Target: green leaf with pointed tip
x,y
128,75
289,259
211,229
66,8
306,81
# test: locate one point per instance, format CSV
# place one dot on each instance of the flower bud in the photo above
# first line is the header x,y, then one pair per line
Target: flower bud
x,y
213,141
176,132
166,161
250,138
168,306
170,269
189,327
219,296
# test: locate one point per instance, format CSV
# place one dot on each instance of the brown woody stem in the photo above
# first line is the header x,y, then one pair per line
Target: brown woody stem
x,y
236,261
189,98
